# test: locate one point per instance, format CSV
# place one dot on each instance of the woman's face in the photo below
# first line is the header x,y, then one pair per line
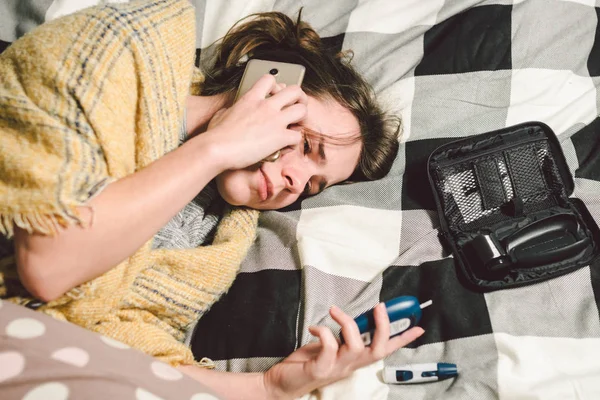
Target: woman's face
x,y
304,169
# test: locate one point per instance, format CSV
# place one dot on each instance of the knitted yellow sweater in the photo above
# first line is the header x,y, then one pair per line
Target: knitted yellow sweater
x,y
88,99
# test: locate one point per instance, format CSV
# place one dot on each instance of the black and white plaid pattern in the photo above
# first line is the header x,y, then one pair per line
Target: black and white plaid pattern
x,y
451,68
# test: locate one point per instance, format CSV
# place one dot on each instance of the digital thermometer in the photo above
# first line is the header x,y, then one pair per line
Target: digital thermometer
x,y
419,373
404,313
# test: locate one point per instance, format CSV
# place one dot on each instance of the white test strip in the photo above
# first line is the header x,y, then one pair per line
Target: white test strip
x,y
426,304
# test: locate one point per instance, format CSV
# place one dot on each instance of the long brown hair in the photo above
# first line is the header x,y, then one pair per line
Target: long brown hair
x,y
274,36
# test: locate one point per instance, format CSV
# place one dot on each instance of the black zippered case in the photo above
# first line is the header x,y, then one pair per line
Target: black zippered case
x,y
503,200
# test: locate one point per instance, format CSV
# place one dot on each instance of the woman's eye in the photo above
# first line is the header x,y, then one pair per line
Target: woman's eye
x,y
307,148
306,191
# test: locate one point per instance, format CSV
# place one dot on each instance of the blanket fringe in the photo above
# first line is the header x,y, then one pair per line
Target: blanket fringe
x,y
47,224
207,363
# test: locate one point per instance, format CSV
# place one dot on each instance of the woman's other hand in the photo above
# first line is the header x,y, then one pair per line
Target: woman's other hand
x,y
257,124
326,361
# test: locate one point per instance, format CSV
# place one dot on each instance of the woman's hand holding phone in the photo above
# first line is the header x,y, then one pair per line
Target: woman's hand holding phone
x,y
256,125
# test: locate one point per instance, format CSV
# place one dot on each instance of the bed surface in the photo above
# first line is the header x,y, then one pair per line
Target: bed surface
x,y
451,69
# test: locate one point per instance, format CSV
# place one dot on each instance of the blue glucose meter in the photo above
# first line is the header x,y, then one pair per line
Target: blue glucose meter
x,y
404,313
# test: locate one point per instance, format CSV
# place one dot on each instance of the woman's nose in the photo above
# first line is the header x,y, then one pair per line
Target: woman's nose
x,y
296,173
294,180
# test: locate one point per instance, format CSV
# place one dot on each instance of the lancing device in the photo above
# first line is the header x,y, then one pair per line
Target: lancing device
x,y
404,313
419,373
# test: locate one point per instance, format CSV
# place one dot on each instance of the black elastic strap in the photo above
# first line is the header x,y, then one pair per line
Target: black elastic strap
x,y
526,173
490,184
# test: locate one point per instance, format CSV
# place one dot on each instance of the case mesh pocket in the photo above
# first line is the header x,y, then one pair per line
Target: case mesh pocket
x,y
526,172
490,177
475,190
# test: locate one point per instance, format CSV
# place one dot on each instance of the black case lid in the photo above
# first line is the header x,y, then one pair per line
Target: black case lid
x,y
465,148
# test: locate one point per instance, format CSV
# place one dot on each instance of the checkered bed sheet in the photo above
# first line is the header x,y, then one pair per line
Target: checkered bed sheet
x,y
451,69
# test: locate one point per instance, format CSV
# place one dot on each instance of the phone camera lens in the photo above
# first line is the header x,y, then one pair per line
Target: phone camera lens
x,y
274,71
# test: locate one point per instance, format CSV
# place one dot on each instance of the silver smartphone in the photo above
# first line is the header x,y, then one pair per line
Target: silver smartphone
x,y
290,74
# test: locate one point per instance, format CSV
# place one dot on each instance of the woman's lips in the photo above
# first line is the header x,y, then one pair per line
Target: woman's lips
x,y
265,188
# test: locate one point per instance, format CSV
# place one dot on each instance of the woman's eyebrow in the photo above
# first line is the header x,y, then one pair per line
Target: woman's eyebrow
x,y
321,147
322,155
322,185
321,152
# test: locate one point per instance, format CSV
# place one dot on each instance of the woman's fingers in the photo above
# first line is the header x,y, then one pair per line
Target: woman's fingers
x,y
256,126
289,101
350,330
263,87
382,331
293,114
402,340
288,96
278,87
333,361
326,358
289,137
267,86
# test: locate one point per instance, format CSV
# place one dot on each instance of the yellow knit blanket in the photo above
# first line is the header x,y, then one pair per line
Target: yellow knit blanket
x,y
88,99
